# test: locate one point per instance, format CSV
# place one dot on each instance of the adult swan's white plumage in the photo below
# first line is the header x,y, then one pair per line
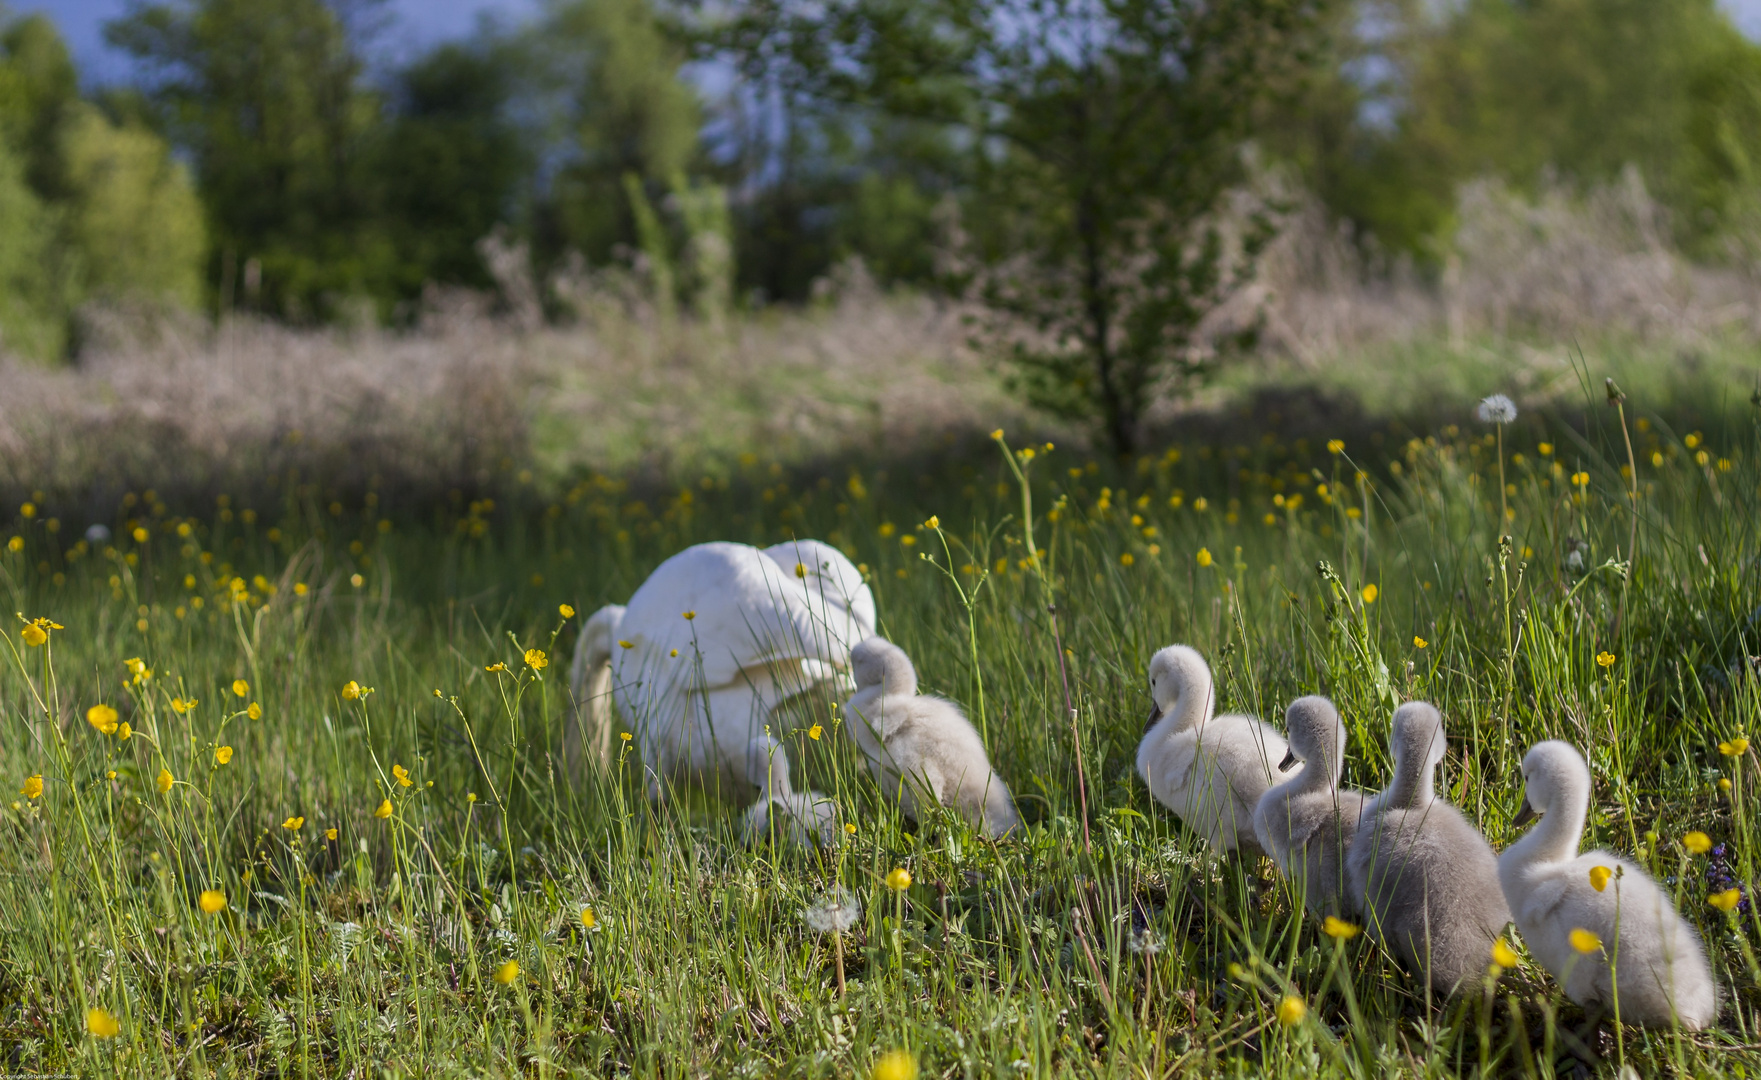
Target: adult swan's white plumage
x,y
766,625
1660,966
1211,771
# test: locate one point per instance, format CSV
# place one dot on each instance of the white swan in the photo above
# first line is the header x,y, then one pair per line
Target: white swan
x,y
804,817
1424,878
1209,770
1306,823
763,626
921,748
1660,968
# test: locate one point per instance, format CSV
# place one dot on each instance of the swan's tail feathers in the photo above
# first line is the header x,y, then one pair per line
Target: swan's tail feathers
x,y
589,737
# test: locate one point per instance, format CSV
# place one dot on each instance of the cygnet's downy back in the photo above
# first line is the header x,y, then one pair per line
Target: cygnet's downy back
x,y
921,748
1424,878
1306,823
1642,945
1210,770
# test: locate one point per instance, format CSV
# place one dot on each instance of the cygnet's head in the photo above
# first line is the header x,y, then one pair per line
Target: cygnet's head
x,y
1176,671
1417,736
1554,774
1316,735
878,662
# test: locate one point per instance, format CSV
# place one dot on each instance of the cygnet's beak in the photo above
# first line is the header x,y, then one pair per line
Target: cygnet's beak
x,y
1155,715
1525,815
1290,759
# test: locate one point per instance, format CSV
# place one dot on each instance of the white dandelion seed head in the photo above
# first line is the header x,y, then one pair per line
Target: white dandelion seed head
x,y
1497,409
835,913
1146,941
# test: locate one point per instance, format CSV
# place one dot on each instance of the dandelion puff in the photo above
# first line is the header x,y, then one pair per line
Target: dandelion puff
x,y
834,914
1497,409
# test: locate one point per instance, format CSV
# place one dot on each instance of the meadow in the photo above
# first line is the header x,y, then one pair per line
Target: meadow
x,y
286,796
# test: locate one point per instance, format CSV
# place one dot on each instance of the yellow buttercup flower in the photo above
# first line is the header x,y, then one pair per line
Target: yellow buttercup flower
x,y
102,717
1204,556
1419,642
293,824
1370,592
1585,941
222,755
895,1065
1726,900
402,774
589,920
1724,783
213,901
1697,842
330,833
1735,747
1503,955
566,611
536,660
1599,876
241,688
36,631
1606,659
496,667
899,880
689,615
102,1024
164,781
254,711
33,787
383,810
351,690
124,732
507,972
624,735
1335,446
934,522
1291,1010
180,706
850,828
626,644
1339,929
1126,559
815,732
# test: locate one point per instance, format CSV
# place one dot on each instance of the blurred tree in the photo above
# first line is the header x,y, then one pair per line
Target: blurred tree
x,y
612,70
268,97
1105,135
451,164
1516,88
34,299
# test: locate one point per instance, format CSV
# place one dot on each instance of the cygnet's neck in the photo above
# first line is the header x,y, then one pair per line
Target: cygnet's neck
x,y
1556,836
1414,785
1196,702
1322,769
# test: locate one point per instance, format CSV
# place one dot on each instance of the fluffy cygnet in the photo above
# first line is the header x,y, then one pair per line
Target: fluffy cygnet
x,y
1209,770
1424,878
921,747
1659,964
805,817
1306,824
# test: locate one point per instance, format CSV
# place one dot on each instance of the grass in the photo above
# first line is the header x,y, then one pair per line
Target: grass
x,y
1105,942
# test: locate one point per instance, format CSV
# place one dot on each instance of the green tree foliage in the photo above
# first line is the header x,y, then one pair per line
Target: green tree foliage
x,y
613,71
1516,88
90,208
268,96
1105,134
451,164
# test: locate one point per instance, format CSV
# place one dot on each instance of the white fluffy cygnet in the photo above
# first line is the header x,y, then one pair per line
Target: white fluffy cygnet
x,y
1306,824
1659,965
1423,877
921,747
1209,770
804,818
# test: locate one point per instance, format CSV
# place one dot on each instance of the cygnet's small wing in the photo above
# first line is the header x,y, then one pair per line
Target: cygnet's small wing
x,y
747,613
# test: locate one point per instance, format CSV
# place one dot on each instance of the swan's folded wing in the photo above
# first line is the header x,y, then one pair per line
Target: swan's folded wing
x,y
746,614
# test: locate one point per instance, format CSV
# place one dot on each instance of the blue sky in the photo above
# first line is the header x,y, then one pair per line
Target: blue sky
x,y
414,25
